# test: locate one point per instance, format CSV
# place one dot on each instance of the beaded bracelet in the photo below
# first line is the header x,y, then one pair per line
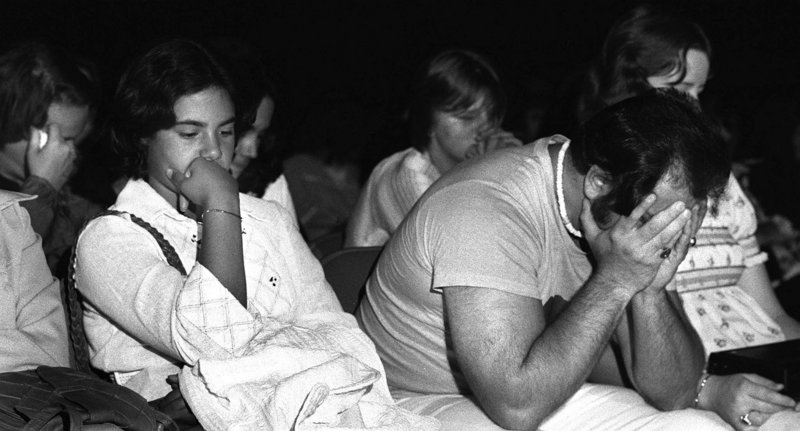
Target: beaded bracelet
x,y
217,210
700,387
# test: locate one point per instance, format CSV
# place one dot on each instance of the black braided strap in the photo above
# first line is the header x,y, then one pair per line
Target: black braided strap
x,y
79,346
166,248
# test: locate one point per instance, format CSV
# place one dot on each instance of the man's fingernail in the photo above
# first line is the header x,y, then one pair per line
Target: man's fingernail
x,y
169,173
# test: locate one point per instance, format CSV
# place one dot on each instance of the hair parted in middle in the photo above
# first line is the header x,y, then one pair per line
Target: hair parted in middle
x,y
646,41
452,82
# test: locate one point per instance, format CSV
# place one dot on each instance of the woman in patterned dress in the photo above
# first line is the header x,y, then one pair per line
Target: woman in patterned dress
x,y
722,283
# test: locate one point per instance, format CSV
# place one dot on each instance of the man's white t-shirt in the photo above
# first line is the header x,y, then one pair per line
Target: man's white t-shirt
x,y
491,223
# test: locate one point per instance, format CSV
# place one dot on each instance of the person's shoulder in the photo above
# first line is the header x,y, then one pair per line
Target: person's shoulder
x,y
13,218
541,144
410,158
101,226
9,198
262,209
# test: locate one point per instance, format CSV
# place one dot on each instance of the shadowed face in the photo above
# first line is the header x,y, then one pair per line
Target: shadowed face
x,y
452,134
694,82
72,120
248,143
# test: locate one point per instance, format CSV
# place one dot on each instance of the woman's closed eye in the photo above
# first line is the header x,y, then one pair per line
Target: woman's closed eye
x,y
187,133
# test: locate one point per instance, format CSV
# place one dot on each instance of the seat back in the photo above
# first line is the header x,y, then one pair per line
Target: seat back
x,y
327,244
347,271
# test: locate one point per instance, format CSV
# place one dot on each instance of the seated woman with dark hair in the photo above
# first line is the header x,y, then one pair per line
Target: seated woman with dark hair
x,y
722,283
455,112
45,110
257,159
191,276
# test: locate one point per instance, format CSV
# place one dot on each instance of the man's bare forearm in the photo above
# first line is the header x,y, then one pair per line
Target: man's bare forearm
x,y
555,361
667,357
581,333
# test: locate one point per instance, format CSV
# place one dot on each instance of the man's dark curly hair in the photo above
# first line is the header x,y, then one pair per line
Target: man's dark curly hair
x,y
639,140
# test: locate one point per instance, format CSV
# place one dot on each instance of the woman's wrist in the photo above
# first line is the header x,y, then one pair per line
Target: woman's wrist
x,y
225,203
701,400
218,211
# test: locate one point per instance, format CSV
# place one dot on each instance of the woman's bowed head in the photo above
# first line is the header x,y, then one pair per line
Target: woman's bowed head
x,y
46,108
174,125
456,109
173,122
647,48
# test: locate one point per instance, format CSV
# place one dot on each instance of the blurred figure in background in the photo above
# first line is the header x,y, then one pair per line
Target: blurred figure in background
x,y
45,111
324,170
456,109
534,98
257,161
774,180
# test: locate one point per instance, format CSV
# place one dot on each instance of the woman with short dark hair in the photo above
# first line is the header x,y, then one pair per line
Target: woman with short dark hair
x,y
257,160
647,47
189,271
722,283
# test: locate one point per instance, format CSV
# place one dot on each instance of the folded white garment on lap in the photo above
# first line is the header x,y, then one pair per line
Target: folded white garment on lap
x,y
254,372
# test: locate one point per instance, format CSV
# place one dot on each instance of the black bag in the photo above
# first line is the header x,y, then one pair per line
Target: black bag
x,y
779,362
58,398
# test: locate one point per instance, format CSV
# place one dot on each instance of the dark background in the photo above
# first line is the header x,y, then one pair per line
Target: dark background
x,y
366,49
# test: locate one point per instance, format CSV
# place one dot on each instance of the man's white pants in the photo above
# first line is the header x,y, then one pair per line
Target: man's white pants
x,y
592,408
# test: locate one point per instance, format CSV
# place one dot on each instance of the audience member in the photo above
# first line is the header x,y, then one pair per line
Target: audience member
x,y
34,328
98,166
515,277
534,97
455,112
252,286
776,135
257,160
45,110
723,283
323,170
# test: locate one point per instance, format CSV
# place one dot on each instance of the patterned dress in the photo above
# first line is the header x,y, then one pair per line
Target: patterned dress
x,y
723,314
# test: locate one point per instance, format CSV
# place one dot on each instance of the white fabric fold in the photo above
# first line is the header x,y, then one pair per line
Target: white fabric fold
x,y
251,371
